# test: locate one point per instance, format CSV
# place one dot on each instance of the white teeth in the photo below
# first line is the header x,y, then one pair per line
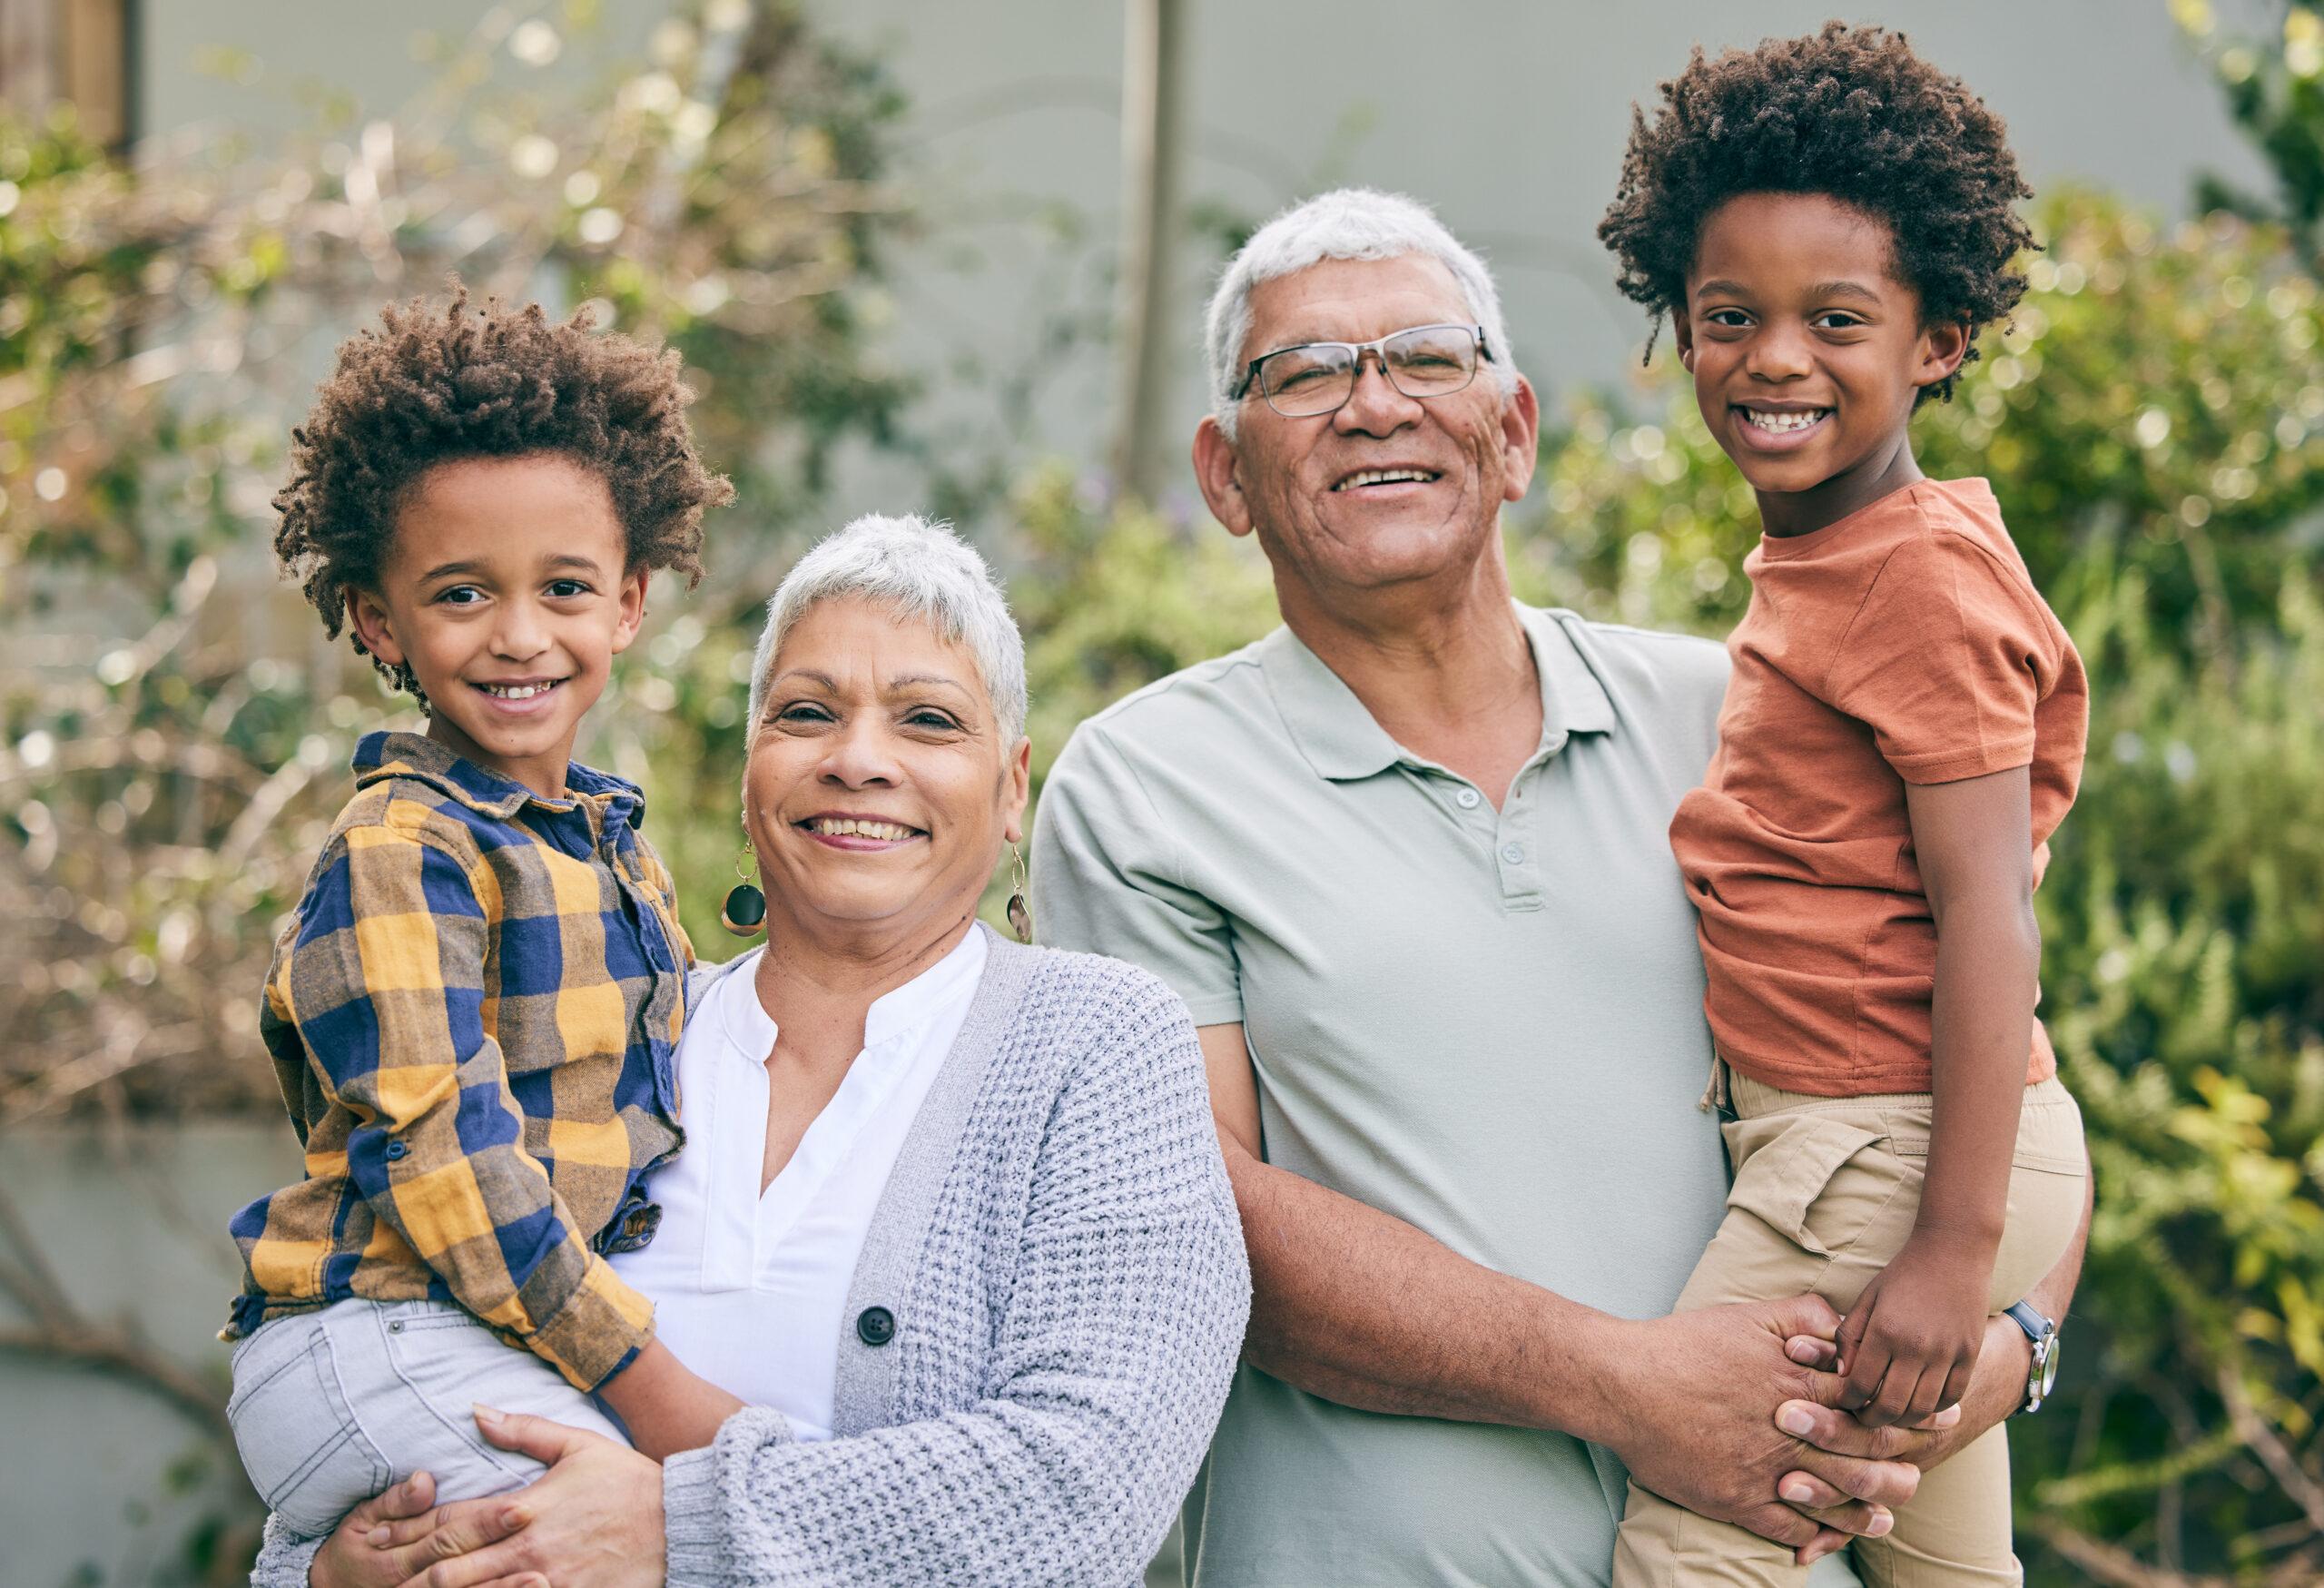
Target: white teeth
x,y
1383,477
850,827
515,691
1780,422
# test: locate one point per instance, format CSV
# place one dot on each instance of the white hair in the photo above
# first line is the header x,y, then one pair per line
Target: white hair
x,y
1349,222
922,571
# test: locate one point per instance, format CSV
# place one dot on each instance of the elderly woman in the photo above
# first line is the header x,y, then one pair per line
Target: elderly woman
x,y
950,1221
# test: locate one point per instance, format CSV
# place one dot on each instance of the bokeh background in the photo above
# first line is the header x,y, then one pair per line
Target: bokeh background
x,y
951,258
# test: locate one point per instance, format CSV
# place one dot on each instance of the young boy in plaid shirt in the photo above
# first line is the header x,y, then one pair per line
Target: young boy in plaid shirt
x,y
473,1010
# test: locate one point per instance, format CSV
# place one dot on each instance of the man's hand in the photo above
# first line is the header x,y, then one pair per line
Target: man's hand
x,y
393,1538
593,1520
1995,1390
1910,1341
1687,1409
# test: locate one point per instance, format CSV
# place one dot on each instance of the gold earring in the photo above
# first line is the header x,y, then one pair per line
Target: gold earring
x,y
1021,917
745,913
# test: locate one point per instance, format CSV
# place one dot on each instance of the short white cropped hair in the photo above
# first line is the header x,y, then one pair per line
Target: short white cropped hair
x,y
1349,222
922,571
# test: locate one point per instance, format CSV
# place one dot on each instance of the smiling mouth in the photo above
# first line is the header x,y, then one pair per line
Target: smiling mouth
x,y
1372,477
857,827
532,690
1785,423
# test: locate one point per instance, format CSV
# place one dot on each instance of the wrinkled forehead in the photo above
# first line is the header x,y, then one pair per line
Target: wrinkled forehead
x,y
1352,301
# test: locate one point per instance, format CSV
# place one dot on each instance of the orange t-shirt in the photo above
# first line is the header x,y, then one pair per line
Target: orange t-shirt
x,y
1904,643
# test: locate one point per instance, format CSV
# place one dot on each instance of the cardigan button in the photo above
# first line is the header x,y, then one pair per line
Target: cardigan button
x,y
875,1326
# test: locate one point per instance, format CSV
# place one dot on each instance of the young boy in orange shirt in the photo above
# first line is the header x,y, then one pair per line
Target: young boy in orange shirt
x,y
1828,220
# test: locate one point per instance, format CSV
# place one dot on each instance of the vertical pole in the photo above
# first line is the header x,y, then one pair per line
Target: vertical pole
x,y
1153,114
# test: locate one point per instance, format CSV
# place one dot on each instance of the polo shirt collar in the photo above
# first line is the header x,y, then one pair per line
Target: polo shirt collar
x,y
487,793
1340,739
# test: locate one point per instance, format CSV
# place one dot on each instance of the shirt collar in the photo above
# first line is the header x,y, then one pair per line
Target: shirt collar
x,y
893,1014
1341,740
917,1000
484,791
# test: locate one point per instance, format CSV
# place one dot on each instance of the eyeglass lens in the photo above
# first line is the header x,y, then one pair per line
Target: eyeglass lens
x,y
1429,361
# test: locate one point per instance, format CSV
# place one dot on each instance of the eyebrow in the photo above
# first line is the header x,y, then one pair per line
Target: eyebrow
x,y
830,684
563,560
1820,290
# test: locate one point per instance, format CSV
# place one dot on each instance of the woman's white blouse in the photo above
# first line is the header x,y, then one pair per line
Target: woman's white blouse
x,y
748,1289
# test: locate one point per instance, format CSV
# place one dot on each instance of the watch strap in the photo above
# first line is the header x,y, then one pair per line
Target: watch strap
x,y
2037,1327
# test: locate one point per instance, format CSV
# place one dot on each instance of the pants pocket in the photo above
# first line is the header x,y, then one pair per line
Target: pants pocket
x,y
1816,1180
306,1455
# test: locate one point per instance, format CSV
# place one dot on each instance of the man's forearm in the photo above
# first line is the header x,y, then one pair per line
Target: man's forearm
x,y
1427,1333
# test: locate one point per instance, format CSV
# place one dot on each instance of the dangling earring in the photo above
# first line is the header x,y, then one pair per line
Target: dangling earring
x,y
745,913
1020,918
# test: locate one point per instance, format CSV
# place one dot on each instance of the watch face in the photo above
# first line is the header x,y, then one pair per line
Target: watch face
x,y
2048,1366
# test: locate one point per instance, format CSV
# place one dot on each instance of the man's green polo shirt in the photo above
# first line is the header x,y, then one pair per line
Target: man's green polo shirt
x,y
1488,1024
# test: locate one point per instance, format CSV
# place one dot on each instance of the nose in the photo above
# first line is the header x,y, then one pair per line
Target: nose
x,y
519,635
1778,352
1375,408
861,755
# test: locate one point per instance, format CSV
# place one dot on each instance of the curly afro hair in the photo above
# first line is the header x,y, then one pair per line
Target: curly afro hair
x,y
1849,113
435,384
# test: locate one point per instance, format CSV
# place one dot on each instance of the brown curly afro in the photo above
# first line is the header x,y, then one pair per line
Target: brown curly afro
x,y
437,384
1848,113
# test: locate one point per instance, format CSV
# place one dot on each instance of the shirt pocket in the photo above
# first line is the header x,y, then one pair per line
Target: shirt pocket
x,y
306,1455
1820,1181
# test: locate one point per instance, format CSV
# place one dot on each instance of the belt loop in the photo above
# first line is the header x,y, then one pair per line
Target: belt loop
x,y
1718,1093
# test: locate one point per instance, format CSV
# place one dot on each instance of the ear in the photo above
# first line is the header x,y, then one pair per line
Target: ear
x,y
368,616
1943,347
632,599
1682,333
1521,439
1216,471
1019,789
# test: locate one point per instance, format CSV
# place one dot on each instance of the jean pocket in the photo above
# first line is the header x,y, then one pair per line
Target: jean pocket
x,y
1818,1181
306,1455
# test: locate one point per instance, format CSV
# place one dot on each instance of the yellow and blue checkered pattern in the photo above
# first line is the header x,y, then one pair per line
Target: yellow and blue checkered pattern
x,y
474,1017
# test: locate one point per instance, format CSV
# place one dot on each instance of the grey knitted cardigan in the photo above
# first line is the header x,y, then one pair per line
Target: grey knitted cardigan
x,y
1058,1253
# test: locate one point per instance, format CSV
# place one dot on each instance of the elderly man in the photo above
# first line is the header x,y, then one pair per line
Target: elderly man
x,y
1405,858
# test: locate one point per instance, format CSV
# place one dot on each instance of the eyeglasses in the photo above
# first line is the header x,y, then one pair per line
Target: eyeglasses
x,y
1318,377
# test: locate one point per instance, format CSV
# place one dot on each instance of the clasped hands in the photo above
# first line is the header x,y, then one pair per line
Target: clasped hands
x,y
1686,1409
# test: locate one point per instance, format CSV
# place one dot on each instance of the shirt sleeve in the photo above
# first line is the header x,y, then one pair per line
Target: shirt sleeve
x,y
1946,661
1106,880
385,985
657,877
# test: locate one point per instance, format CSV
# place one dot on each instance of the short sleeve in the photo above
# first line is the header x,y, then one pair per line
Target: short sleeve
x,y
1106,880
1946,661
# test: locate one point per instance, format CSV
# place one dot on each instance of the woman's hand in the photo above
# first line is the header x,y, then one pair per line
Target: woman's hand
x,y
393,1537
593,1520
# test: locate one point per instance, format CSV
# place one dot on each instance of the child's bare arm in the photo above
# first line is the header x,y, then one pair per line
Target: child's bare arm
x,y
666,1407
1909,1342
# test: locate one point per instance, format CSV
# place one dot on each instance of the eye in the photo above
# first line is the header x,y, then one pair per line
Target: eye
x,y
565,589
1731,319
805,713
929,717
459,595
1836,320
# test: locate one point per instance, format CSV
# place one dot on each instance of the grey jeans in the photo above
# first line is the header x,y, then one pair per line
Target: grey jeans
x,y
329,1407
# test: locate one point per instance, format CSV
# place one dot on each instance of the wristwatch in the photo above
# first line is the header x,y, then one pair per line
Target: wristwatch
x,y
2043,1374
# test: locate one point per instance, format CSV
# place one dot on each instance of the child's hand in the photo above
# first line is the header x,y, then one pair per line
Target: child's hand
x,y
1908,1345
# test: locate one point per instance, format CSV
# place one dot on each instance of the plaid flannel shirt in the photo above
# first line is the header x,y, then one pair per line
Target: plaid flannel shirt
x,y
473,1015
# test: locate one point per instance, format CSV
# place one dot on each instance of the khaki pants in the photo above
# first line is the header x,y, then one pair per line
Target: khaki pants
x,y
1825,1193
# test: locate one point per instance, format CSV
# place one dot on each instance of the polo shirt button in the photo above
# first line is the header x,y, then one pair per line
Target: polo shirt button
x,y
875,1326
1467,799
396,1150
1514,853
